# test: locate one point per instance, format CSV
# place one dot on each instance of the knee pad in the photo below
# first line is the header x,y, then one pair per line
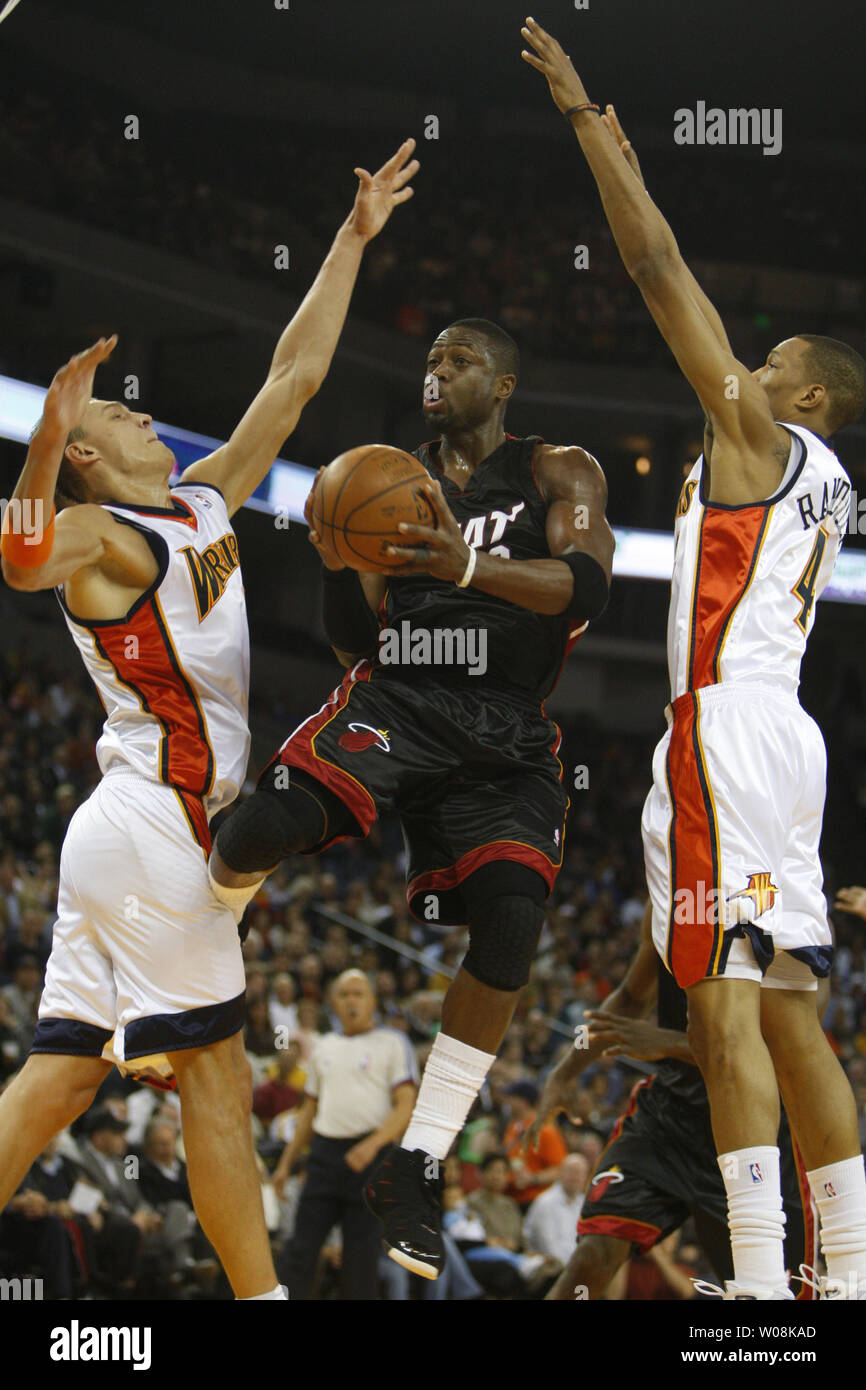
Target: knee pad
x,y
269,826
503,940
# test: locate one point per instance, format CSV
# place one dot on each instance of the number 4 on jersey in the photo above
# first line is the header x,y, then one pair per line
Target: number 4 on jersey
x,y
804,589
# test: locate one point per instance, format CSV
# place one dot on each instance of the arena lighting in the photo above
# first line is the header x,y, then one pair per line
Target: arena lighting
x,y
639,554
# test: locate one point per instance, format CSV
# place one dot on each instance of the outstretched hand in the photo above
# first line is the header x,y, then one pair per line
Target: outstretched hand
x,y
378,194
621,1036
70,392
549,58
851,900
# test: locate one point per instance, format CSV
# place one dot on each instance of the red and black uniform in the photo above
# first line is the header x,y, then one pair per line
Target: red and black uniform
x,y
660,1165
469,761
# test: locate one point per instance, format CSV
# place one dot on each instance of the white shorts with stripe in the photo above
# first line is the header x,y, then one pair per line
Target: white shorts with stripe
x,y
145,960
731,830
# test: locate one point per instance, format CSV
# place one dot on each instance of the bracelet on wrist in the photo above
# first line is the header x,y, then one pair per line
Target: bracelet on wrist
x,y
584,106
469,570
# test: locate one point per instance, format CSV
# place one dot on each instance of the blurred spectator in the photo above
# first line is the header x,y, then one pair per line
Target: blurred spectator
x,y
22,996
538,1167
259,1036
279,1094
550,1225
125,1221
359,1095
282,1009
504,1246
40,1232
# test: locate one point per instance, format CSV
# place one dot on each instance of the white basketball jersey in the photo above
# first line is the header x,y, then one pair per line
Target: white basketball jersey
x,y
173,675
746,577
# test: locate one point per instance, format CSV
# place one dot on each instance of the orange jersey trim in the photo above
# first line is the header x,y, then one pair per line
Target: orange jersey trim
x,y
693,948
144,660
729,545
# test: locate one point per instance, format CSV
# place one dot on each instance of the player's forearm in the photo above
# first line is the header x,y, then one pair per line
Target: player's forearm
x,y
28,538
573,1061
674,1045
299,1141
309,341
641,233
38,477
542,586
350,623
622,1002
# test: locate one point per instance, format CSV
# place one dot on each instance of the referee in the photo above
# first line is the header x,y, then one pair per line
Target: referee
x,y
358,1097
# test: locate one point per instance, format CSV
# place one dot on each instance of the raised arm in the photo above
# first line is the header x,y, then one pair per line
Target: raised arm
x,y
304,351
751,460
40,551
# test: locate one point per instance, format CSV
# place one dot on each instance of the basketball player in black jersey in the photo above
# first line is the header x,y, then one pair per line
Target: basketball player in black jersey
x,y
518,562
659,1166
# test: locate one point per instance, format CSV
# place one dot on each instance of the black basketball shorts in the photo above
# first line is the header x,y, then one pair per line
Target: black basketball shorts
x,y
660,1167
472,773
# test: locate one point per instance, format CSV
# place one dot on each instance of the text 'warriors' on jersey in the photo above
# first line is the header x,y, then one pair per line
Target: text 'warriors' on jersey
x,y
746,577
173,674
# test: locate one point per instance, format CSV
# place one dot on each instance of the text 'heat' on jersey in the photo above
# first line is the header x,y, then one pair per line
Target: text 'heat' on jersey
x,y
173,674
746,577
500,511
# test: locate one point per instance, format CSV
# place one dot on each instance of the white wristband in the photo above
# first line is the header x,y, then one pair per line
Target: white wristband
x,y
469,570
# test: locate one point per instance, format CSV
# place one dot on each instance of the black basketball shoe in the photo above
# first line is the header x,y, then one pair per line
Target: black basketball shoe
x,y
406,1195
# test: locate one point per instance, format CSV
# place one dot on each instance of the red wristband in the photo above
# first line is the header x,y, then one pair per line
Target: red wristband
x,y
26,550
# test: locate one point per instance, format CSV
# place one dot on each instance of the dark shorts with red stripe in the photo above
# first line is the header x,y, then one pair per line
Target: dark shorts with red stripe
x,y
660,1168
471,770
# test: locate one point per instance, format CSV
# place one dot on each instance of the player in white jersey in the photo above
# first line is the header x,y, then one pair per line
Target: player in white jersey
x,y
732,824
145,959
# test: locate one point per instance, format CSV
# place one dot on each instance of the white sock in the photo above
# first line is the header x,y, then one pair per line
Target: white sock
x,y
279,1295
235,899
840,1192
755,1216
452,1078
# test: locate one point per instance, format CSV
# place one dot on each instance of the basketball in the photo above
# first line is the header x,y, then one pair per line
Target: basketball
x,y
360,500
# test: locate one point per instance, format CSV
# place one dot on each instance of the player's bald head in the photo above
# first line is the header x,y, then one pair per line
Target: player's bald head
x,y
501,347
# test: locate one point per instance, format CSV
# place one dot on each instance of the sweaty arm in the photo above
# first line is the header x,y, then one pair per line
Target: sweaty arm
x,y
577,577
750,450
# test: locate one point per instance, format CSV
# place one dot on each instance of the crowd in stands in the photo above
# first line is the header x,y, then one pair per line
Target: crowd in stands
x,y
107,1205
501,245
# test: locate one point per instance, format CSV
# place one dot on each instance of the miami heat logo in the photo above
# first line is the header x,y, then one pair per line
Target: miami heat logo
x,y
602,1181
359,737
761,890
